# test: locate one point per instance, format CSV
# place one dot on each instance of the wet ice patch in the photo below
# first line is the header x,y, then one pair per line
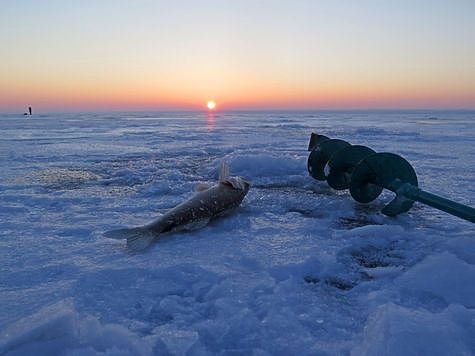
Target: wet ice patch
x,y
61,178
374,252
350,222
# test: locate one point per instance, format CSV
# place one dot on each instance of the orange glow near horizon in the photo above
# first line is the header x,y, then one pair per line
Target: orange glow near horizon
x,y
236,95
237,88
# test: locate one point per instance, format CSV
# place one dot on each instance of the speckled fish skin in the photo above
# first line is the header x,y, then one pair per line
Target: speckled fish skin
x,y
203,206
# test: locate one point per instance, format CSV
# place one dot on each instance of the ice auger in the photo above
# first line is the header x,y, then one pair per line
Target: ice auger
x,y
366,173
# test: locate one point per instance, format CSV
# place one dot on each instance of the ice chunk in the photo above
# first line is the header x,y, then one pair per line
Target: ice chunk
x,y
395,330
47,327
58,328
464,248
444,275
178,341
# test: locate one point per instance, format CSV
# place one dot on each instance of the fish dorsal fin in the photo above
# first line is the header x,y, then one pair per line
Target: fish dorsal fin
x,y
224,171
201,187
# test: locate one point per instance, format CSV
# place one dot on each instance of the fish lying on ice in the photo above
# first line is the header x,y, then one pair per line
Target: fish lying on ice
x,y
194,213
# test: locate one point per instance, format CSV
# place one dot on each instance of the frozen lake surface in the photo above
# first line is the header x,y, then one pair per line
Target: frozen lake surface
x,y
298,269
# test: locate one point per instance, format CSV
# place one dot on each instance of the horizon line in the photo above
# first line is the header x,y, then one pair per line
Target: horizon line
x,y
217,111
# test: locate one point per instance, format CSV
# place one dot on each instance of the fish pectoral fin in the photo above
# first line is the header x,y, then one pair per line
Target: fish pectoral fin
x,y
201,187
225,212
195,225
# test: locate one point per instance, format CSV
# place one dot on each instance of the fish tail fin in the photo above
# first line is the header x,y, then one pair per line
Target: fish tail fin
x,y
224,171
138,238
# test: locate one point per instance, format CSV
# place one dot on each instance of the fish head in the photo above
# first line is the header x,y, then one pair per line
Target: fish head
x,y
238,183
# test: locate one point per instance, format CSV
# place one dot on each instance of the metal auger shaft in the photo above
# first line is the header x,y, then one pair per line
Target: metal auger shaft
x,y
415,193
366,173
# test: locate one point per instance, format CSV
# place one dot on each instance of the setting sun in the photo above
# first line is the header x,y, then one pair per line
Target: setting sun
x,y
211,105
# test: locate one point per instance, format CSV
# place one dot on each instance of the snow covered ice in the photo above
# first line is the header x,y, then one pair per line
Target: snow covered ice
x,y
298,269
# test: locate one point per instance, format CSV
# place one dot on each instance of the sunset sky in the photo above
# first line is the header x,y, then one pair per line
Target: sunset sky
x,y
68,55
